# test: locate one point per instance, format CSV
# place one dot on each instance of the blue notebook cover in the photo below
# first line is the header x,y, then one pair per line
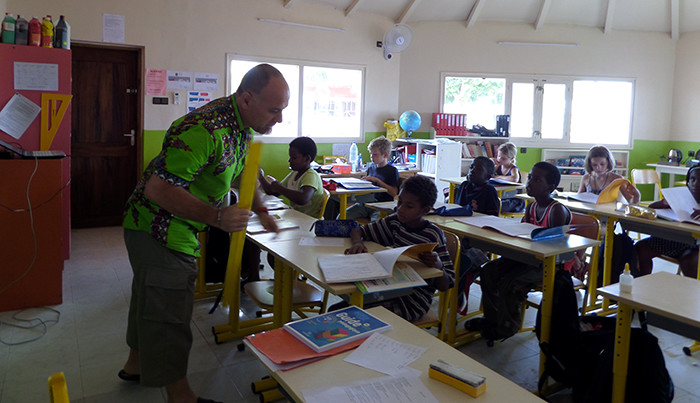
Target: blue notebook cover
x,y
336,328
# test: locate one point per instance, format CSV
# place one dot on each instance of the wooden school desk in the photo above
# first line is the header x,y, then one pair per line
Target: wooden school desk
x,y
520,249
669,295
500,189
333,371
343,194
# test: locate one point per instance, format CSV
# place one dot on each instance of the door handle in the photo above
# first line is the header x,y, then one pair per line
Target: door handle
x,y
132,135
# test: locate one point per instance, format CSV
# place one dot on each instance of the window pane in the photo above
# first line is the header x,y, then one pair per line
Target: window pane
x,y
522,109
601,112
331,103
290,123
480,98
553,109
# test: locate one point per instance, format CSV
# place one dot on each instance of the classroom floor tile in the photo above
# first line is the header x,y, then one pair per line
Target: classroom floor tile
x,y
88,345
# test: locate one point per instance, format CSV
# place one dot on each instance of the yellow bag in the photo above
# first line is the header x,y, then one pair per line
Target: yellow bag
x,y
393,130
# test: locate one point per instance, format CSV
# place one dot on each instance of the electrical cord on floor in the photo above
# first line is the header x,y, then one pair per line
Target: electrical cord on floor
x,y
32,323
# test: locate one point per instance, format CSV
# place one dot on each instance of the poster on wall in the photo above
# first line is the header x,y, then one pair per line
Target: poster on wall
x,y
206,82
196,99
180,80
155,82
113,28
36,76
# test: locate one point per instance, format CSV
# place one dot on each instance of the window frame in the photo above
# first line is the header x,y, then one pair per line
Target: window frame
x,y
359,110
536,141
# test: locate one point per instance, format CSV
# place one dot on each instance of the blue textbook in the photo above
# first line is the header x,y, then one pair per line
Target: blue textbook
x,y
333,329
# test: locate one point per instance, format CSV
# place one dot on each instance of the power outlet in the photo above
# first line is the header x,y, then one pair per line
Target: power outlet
x,y
160,100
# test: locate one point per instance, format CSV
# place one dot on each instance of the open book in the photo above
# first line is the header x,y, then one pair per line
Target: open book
x,y
682,204
367,266
403,276
516,229
355,183
609,194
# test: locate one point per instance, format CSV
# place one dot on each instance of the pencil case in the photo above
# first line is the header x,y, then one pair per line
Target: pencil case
x,y
336,228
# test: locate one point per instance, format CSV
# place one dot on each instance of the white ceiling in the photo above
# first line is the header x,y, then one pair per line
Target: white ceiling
x,y
671,16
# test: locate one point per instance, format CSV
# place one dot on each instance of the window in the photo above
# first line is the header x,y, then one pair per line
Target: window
x,y
325,101
548,111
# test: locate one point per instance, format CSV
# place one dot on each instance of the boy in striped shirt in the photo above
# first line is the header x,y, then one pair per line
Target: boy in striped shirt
x,y
409,227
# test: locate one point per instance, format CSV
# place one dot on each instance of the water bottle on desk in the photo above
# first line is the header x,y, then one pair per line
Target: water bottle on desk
x,y
352,156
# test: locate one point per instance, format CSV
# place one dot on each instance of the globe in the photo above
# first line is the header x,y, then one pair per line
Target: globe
x,y
409,121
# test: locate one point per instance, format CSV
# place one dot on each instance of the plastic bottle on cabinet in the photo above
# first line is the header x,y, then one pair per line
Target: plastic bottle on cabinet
x,y
8,29
626,279
61,38
47,32
21,31
34,32
352,156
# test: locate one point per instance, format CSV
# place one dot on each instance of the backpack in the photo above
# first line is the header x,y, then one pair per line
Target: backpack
x,y
583,360
623,252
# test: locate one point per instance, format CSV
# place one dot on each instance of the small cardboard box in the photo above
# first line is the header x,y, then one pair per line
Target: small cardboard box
x,y
341,168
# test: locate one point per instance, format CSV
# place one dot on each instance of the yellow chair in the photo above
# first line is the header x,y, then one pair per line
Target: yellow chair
x,y
58,390
305,298
647,177
431,318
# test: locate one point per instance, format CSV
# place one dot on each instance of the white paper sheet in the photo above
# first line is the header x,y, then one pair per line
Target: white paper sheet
x,y
35,76
180,80
206,81
384,354
379,390
17,115
113,28
321,241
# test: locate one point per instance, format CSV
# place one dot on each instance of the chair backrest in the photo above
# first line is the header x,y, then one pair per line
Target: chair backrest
x,y
326,196
58,390
453,246
645,177
590,225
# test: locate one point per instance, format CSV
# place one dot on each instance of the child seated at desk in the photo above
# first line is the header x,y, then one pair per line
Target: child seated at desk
x,y
475,191
599,165
505,282
303,186
652,247
381,174
507,170
408,227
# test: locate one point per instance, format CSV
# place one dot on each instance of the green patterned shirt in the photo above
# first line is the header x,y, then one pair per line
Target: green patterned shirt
x,y
202,152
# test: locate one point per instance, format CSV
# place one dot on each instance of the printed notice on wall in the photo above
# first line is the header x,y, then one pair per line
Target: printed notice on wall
x,y
206,82
113,28
180,80
36,76
196,99
17,115
155,82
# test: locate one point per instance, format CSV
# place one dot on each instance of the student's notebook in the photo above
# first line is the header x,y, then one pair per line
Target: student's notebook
x,y
33,154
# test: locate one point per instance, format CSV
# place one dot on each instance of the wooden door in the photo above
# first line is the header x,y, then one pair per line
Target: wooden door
x,y
106,132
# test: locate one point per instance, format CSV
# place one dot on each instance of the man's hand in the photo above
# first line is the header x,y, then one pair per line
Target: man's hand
x,y
268,222
234,219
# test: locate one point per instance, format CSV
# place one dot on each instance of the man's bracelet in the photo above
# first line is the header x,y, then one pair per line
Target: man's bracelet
x,y
262,211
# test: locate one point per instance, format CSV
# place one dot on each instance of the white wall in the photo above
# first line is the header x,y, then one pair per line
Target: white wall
x,y
195,35
686,94
451,47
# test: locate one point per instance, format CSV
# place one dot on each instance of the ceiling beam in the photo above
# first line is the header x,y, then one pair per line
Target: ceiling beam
x,y
675,20
407,11
288,3
474,13
352,7
544,10
607,27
